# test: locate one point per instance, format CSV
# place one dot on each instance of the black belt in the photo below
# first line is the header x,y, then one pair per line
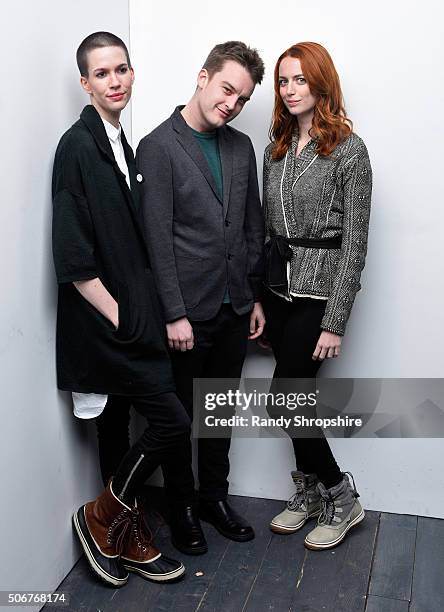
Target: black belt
x,y
278,252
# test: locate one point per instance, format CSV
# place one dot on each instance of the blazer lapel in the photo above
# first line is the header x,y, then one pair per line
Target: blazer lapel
x,y
191,147
94,123
226,157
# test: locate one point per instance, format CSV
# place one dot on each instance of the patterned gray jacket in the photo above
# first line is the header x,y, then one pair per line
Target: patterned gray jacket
x,y
313,196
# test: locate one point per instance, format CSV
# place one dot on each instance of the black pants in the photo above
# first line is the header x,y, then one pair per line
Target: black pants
x,y
168,426
219,351
113,434
293,329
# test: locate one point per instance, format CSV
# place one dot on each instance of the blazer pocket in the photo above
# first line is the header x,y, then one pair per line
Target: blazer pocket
x,y
239,185
191,272
241,170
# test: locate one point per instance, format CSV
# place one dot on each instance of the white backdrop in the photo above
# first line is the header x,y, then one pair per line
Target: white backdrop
x,y
389,57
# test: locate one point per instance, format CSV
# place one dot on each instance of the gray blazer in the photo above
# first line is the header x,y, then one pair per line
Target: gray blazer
x,y
310,196
198,244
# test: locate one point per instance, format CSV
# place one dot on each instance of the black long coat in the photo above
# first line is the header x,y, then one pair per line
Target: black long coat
x,y
97,233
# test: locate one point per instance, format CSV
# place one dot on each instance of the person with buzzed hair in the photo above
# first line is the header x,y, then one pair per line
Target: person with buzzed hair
x,y
111,346
205,232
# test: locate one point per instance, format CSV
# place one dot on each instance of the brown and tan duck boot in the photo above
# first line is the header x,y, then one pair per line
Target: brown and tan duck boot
x,y
102,526
141,556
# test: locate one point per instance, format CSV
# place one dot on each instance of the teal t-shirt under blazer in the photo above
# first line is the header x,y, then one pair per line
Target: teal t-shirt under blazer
x,y
210,148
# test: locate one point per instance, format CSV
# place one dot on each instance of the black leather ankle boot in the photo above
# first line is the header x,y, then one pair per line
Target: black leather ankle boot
x,y
225,520
186,531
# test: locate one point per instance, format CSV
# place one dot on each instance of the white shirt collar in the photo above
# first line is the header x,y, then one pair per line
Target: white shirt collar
x,y
112,132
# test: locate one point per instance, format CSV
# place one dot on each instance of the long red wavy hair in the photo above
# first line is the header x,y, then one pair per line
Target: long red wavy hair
x,y
330,123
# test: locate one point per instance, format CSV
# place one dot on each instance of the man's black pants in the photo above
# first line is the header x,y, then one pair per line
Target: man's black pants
x,y
219,351
220,346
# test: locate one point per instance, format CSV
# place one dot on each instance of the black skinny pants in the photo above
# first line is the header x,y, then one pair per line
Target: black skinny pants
x,y
168,427
293,329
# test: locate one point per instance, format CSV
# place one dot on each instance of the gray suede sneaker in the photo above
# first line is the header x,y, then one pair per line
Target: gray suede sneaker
x,y
301,506
340,512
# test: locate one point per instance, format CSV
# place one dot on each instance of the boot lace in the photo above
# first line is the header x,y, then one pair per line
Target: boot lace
x,y
141,531
299,499
118,529
327,510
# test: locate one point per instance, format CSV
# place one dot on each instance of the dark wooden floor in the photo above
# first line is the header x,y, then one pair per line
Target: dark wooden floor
x,y
389,563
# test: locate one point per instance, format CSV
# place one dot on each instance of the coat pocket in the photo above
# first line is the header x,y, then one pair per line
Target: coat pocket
x,y
141,326
130,325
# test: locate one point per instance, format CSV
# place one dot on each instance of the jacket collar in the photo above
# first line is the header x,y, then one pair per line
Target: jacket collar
x,y
94,123
293,169
191,147
306,155
91,118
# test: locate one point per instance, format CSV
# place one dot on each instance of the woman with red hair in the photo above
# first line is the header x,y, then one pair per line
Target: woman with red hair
x,y
317,190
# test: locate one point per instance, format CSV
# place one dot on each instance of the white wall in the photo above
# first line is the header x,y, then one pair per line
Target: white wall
x,y
389,56
48,460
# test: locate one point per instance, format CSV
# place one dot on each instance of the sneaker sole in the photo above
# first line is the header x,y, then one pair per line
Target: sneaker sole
x,y
97,569
174,575
283,530
338,540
